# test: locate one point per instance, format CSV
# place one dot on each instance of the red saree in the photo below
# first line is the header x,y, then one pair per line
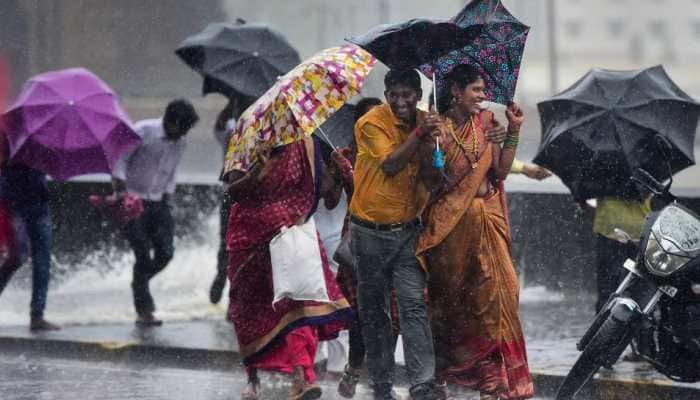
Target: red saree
x,y
286,336
473,287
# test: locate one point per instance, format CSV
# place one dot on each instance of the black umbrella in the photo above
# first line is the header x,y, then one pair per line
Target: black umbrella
x,y
412,43
238,58
339,129
598,132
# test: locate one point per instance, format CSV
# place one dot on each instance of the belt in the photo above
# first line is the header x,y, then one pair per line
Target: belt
x,y
384,227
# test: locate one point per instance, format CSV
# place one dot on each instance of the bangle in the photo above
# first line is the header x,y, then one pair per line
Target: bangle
x,y
511,142
419,132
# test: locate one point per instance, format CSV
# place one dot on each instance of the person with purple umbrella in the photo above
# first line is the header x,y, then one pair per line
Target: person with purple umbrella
x,y
26,192
148,171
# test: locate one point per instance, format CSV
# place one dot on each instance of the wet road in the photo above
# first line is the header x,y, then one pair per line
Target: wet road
x,y
38,378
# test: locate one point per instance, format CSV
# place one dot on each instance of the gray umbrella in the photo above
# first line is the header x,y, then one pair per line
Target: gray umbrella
x,y
238,58
339,129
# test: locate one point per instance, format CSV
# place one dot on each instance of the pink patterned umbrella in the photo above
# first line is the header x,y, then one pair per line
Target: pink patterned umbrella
x,y
299,103
67,123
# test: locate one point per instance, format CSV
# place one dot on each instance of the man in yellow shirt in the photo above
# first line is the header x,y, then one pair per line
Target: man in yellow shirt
x,y
612,213
384,227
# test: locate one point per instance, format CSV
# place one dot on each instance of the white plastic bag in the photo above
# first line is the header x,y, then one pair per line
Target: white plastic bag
x,y
297,268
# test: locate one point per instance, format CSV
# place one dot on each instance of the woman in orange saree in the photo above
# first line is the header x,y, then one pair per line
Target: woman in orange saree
x,y
465,248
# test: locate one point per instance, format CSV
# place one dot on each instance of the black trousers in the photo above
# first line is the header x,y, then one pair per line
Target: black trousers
x,y
610,255
151,239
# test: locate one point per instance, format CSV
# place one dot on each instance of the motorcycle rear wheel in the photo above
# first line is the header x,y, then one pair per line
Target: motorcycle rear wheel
x,y
613,334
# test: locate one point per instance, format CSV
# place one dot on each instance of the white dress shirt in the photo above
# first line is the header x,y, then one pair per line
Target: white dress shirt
x,y
149,169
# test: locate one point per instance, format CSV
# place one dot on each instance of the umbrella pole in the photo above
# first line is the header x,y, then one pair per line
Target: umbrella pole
x,y
434,92
325,137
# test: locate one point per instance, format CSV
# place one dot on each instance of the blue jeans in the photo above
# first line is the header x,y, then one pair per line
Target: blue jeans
x,y
35,234
152,230
386,258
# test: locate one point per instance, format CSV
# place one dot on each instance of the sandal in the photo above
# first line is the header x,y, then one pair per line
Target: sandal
x,y
348,383
251,389
310,391
250,393
443,392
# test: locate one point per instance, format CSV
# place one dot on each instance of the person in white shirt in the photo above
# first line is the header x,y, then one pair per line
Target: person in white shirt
x,y
148,171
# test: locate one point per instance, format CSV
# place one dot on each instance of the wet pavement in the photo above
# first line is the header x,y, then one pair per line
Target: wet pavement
x,y
42,378
201,356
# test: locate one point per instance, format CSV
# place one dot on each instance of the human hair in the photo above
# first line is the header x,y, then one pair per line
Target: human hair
x,y
181,113
406,77
460,76
365,105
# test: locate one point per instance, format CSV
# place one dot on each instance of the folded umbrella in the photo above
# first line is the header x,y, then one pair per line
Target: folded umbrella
x,y
411,43
299,103
497,52
67,123
238,58
598,132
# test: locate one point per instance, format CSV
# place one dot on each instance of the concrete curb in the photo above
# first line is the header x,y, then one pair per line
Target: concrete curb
x,y
124,352
546,383
609,388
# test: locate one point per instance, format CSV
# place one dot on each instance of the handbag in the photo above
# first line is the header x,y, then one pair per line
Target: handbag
x,y
297,267
343,254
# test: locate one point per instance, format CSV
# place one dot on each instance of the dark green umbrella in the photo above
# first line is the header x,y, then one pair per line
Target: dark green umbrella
x,y
598,132
238,58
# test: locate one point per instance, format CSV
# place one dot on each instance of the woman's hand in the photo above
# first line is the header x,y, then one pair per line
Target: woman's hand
x,y
515,117
263,153
341,162
534,171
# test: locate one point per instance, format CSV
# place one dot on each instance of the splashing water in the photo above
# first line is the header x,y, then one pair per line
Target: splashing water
x,y
92,296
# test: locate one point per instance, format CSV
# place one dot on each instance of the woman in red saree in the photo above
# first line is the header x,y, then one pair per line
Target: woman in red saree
x,y
465,247
281,189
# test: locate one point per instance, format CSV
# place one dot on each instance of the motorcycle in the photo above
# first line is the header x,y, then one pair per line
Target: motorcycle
x,y
656,308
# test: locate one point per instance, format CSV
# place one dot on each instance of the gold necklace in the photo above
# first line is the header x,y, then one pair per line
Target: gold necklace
x,y
475,142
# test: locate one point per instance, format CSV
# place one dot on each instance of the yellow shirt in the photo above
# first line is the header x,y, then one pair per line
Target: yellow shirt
x,y
611,213
378,197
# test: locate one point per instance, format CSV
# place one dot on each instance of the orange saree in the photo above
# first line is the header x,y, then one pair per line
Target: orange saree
x,y
473,287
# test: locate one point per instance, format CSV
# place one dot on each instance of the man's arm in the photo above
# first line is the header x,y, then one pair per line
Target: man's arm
x,y
395,158
402,155
119,170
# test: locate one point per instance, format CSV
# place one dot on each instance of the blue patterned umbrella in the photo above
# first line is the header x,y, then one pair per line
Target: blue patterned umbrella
x,y
496,53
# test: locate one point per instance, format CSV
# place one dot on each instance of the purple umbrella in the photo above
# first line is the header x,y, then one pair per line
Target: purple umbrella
x,y
68,123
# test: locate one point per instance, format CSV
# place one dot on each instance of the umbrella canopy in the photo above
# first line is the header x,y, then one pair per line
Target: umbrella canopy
x,y
67,123
409,44
596,133
497,52
299,102
339,129
238,58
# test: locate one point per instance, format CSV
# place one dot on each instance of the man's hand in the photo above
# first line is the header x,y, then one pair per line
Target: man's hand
x,y
118,185
496,133
432,122
534,171
515,117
